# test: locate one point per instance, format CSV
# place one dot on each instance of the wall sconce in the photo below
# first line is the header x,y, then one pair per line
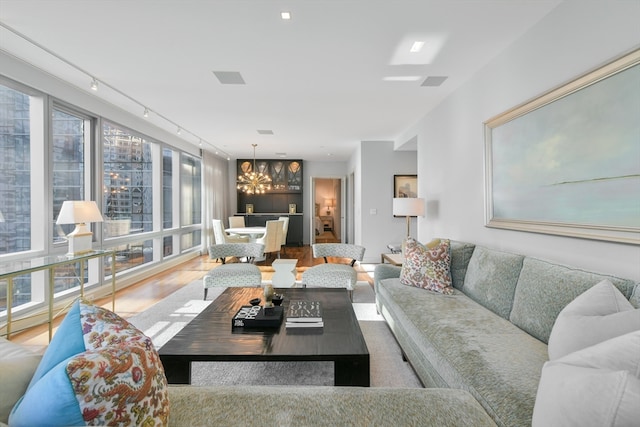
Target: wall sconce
x,y
79,213
329,203
408,206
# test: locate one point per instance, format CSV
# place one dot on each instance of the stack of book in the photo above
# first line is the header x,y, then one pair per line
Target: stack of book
x,y
304,314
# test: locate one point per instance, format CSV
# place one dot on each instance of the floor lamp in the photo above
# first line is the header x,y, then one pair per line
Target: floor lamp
x,y
408,207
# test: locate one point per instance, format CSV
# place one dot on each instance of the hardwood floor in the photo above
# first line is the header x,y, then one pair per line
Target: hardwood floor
x,y
140,296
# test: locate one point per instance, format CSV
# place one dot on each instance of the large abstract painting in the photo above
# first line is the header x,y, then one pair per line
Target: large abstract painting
x,y
568,162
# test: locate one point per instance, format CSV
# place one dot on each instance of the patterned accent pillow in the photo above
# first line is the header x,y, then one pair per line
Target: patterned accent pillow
x,y
116,379
427,266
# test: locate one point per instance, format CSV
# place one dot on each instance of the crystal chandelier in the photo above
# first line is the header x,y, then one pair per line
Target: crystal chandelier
x,y
254,182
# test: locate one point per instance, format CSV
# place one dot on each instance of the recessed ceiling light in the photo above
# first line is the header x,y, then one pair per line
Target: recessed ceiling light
x,y
416,47
401,78
285,15
407,51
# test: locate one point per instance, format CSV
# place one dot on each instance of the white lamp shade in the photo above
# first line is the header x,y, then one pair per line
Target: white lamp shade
x,y
77,212
408,206
330,203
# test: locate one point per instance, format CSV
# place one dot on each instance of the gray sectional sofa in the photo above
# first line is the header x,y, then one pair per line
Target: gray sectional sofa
x,y
300,406
490,337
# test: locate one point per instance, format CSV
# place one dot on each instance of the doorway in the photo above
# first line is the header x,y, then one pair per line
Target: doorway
x,y
328,219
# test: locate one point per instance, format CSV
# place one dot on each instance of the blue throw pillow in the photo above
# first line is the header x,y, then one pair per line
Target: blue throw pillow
x,y
66,342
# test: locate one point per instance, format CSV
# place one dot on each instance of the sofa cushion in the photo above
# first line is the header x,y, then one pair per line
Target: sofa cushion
x,y
598,385
17,366
545,288
491,279
460,255
635,296
600,313
117,375
427,266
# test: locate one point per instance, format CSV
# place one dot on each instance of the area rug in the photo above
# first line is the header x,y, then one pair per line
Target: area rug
x,y
164,319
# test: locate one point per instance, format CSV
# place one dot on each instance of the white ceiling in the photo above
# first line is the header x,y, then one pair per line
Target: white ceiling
x,y
316,81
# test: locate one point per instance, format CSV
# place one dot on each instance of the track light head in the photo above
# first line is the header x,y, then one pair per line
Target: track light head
x,y
146,112
94,84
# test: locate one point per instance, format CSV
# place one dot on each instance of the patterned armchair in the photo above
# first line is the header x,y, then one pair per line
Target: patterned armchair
x,y
234,274
330,275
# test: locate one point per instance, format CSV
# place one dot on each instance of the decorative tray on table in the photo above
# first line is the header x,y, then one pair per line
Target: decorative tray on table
x,y
255,316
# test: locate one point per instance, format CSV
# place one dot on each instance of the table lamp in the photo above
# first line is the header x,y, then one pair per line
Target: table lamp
x,y
329,203
408,206
79,213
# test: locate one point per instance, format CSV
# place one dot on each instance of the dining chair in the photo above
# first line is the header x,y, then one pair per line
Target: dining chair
x,y
234,274
221,236
334,275
236,222
285,230
272,239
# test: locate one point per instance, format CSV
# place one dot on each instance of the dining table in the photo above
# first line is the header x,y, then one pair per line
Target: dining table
x,y
252,232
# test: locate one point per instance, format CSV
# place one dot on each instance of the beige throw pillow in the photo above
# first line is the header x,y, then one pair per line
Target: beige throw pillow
x,y
600,313
17,365
596,386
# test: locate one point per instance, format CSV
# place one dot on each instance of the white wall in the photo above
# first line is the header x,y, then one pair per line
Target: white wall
x,y
378,165
574,38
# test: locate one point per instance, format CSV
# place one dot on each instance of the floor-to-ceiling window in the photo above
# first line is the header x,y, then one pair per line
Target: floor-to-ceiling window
x,y
127,193
71,143
191,199
15,163
71,139
52,152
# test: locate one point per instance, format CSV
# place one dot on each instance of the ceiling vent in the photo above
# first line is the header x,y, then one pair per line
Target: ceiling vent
x,y
433,81
229,77
265,132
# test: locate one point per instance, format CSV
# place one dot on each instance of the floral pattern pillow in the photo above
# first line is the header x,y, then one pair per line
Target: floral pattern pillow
x,y
113,376
427,266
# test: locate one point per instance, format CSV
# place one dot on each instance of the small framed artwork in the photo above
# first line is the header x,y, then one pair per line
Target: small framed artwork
x,y
405,186
249,208
292,208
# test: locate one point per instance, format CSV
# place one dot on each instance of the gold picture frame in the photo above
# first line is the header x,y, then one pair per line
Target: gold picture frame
x,y
565,163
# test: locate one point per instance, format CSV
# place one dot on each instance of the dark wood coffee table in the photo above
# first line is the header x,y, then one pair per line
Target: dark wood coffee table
x,y
210,337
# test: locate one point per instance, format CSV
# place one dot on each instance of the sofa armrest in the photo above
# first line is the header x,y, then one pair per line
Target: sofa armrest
x,y
385,271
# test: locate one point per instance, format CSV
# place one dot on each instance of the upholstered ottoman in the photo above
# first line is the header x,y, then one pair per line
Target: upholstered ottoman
x,y
227,275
